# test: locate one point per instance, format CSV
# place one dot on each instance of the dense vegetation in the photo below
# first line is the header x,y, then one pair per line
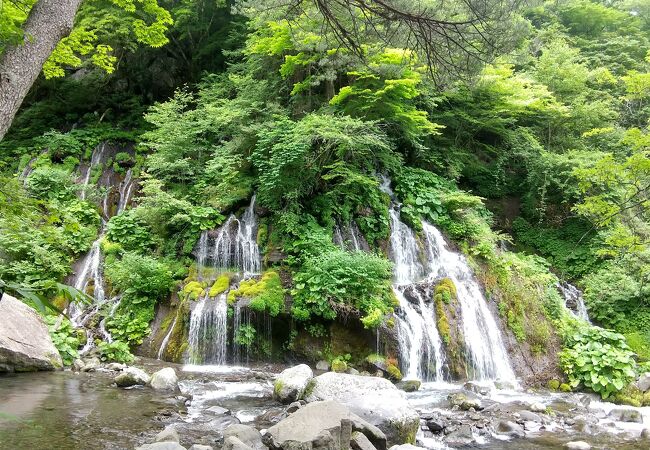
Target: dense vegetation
x,y
543,149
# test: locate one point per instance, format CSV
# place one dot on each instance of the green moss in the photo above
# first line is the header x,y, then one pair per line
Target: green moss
x,y
193,290
446,290
375,359
277,387
394,372
266,294
630,395
554,385
220,285
565,387
338,365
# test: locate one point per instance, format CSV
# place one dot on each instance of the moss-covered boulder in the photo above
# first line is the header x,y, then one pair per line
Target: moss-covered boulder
x,y
450,326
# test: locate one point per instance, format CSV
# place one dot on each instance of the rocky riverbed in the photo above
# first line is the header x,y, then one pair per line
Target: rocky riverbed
x,y
245,408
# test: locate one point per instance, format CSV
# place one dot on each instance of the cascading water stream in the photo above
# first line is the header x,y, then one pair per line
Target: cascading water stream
x,y
95,159
126,187
419,340
574,301
165,341
234,248
208,332
488,357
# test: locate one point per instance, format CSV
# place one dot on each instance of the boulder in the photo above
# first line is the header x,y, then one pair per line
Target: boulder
x,y
290,385
577,445
376,400
116,366
626,415
409,385
645,434
359,441
164,380
248,435
25,342
461,437
464,402
323,365
528,416
352,371
201,447
643,383
91,364
169,434
219,411
232,443
504,385
475,388
435,425
131,376
510,428
537,407
321,424
161,446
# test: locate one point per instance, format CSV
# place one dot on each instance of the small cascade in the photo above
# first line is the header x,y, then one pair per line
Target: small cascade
x,y
241,318
487,354
95,159
234,247
349,237
574,301
126,188
208,331
165,341
91,271
27,170
417,267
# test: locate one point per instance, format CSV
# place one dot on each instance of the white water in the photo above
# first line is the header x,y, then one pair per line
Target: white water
x,y
349,237
208,332
165,341
91,270
574,301
488,356
418,334
126,187
95,159
233,248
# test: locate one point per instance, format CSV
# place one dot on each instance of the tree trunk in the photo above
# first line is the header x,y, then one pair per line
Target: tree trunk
x,y
49,21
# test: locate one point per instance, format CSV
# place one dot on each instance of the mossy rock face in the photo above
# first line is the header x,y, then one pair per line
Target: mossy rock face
x,y
350,339
220,286
193,290
178,340
450,326
394,373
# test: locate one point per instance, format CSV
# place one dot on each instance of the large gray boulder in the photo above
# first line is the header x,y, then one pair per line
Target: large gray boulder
x,y
321,425
164,380
643,383
290,385
248,435
376,400
132,376
25,343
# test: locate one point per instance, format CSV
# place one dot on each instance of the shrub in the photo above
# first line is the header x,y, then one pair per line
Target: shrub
x,y
340,281
245,335
50,183
598,359
139,277
64,338
115,351
130,232
339,365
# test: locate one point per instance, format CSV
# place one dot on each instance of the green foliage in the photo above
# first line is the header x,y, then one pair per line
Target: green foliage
x,y
115,351
245,335
340,281
220,285
130,232
598,359
140,278
340,363
64,337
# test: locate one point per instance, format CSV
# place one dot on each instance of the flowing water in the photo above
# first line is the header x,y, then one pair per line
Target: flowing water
x,y
349,237
126,188
425,261
165,341
95,159
234,248
208,331
574,301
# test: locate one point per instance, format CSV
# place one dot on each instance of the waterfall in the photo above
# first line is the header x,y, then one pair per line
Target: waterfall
x,y
349,237
126,186
95,159
232,247
165,341
208,332
417,264
487,353
91,270
574,300
235,246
